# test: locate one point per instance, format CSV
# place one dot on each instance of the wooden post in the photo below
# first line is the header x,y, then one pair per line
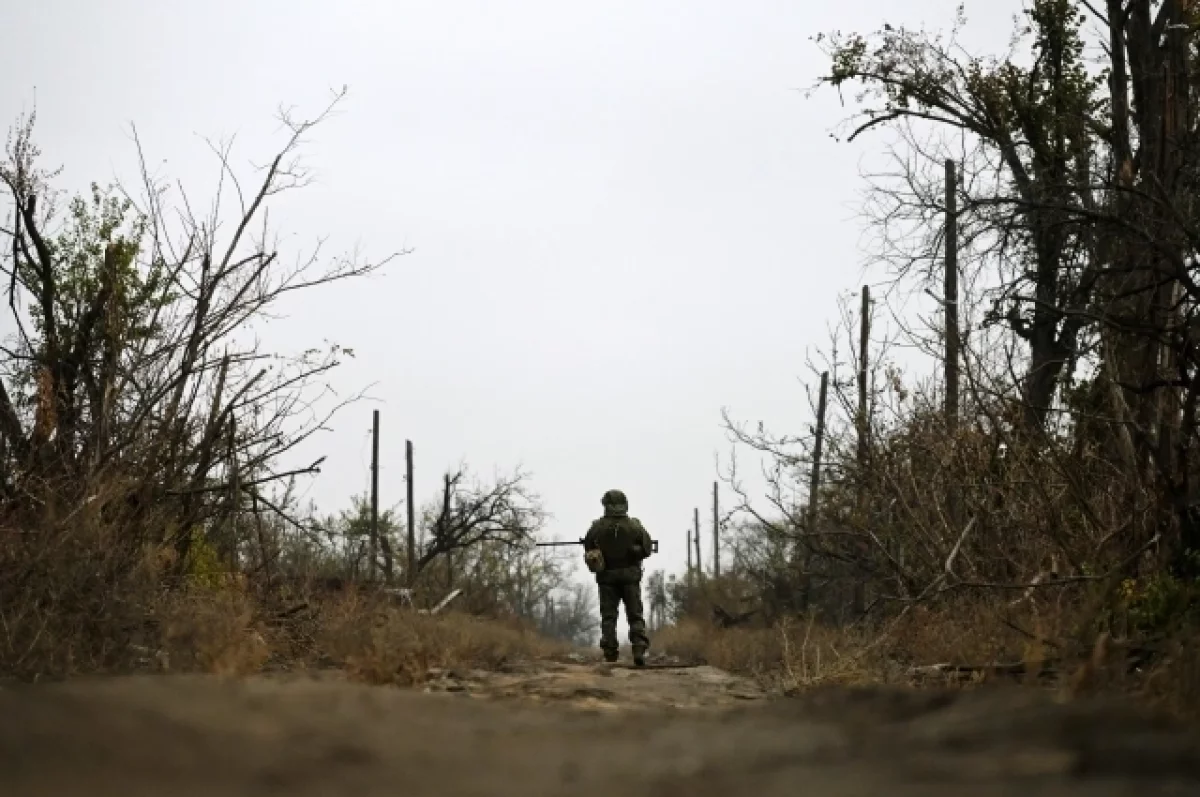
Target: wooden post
x,y
412,531
952,341
814,487
696,528
860,597
452,524
716,536
688,545
951,290
863,354
389,560
374,546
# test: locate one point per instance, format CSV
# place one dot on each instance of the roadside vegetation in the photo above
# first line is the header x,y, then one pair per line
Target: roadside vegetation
x,y
149,443
1026,507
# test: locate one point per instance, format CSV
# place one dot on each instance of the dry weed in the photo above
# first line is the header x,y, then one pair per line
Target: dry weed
x,y
1173,684
88,607
389,645
789,656
213,631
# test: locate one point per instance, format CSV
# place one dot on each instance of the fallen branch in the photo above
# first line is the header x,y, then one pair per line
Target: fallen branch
x,y
725,619
949,564
1043,669
443,603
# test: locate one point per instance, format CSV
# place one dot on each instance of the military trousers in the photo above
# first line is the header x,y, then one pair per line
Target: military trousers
x,y
621,586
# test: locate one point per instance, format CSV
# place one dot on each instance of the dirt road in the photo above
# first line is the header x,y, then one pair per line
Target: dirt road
x,y
571,728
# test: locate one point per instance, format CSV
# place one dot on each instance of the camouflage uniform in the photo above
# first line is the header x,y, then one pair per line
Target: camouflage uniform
x,y
625,544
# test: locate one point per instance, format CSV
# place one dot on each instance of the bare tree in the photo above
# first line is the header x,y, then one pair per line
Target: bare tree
x,y
134,403
1028,138
470,513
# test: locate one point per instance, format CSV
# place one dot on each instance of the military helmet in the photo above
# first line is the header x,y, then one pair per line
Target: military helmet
x,y
614,498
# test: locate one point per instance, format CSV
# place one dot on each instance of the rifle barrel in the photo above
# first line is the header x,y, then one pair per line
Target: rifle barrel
x,y
654,549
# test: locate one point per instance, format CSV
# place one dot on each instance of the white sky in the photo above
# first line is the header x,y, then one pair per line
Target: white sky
x,y
624,215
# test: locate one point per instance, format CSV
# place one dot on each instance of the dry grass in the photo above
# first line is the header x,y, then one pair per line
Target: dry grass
x,y
980,633
800,654
76,604
788,656
226,632
1174,683
83,614
212,630
82,596
388,645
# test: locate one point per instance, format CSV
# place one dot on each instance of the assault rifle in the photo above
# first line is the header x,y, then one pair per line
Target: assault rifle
x,y
653,544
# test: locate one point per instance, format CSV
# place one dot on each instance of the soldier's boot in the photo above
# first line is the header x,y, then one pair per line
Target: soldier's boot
x,y
639,656
611,655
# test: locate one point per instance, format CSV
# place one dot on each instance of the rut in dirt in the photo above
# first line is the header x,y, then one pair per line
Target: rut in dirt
x,y
191,735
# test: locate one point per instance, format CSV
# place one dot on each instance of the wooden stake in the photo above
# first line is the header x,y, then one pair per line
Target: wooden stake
x,y
374,546
716,536
412,526
860,596
814,487
688,546
952,341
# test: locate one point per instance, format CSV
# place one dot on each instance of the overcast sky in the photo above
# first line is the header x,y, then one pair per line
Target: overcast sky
x,y
624,216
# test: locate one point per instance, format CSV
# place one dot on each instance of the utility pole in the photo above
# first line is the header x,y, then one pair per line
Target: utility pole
x,y
952,341
860,597
814,487
696,528
716,536
374,546
412,531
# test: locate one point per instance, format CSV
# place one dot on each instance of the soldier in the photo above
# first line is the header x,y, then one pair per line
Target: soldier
x,y
614,549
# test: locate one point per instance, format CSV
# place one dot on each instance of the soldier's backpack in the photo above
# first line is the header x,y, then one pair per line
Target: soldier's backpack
x,y
621,541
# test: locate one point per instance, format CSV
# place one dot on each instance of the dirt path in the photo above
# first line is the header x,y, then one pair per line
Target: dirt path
x,y
585,684
558,728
